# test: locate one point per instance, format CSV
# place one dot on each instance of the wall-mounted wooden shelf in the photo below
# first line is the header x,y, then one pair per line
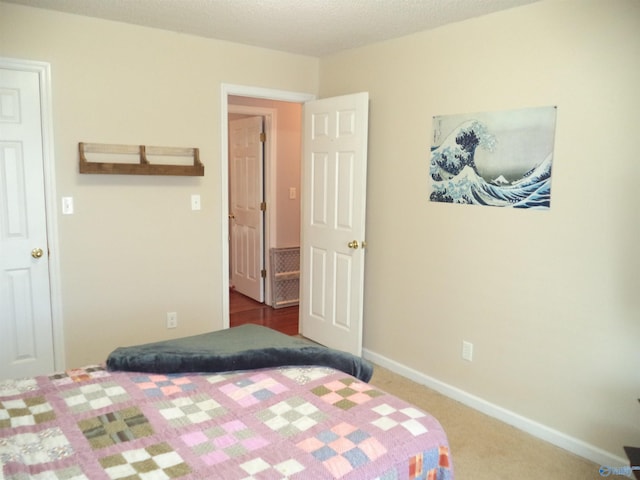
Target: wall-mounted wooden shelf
x,y
141,153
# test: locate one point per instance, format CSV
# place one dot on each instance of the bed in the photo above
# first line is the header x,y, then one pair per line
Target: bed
x,y
297,422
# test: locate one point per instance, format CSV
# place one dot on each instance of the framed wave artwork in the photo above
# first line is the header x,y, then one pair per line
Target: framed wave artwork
x,y
499,159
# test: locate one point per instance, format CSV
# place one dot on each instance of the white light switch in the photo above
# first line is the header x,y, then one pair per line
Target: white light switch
x,y
292,193
195,202
67,205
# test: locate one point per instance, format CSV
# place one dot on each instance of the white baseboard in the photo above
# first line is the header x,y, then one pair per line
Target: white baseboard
x,y
559,439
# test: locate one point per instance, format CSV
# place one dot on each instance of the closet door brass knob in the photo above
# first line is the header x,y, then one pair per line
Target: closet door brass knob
x,y
36,252
353,244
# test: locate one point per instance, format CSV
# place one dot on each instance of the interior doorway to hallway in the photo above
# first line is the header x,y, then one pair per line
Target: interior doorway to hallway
x,y
280,184
333,219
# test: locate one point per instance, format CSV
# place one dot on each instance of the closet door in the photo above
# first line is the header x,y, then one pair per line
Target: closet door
x,y
26,334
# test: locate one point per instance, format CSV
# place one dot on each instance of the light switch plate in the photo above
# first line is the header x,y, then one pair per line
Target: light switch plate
x,y
67,205
195,202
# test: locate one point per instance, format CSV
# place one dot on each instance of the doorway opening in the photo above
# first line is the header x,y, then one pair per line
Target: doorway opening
x,y
248,101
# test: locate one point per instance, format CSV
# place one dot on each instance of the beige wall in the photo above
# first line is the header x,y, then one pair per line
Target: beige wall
x,y
134,250
550,299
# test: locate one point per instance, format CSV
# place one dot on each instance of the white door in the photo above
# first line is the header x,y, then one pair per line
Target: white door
x,y
334,176
26,337
246,218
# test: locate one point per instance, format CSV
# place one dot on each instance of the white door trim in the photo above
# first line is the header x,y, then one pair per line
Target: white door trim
x,y
245,91
44,75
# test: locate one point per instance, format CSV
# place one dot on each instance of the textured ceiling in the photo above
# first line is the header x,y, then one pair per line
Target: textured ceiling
x,y
308,27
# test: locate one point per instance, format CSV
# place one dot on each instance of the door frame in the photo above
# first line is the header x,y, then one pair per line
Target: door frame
x,y
244,91
43,70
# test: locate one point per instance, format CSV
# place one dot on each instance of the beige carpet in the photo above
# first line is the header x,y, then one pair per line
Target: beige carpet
x,y
483,448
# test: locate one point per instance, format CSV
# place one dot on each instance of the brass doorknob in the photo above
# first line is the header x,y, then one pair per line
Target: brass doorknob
x,y
353,244
36,252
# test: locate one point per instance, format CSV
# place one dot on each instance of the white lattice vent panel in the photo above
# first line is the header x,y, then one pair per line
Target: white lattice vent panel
x,y
285,276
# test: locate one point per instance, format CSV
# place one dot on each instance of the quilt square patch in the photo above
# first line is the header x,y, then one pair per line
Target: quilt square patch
x,y
70,473
36,448
346,393
436,456
183,411
163,385
249,390
9,388
259,466
25,411
94,396
116,427
405,417
291,416
78,375
303,375
155,461
343,448
220,377
222,442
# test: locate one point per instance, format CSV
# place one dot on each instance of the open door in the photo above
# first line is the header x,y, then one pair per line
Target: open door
x,y
246,217
334,175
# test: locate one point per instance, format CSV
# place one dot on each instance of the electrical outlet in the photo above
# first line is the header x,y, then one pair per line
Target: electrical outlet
x,y
172,319
467,351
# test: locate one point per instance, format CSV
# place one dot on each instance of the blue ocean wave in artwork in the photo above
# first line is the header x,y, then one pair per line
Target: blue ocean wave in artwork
x,y
455,177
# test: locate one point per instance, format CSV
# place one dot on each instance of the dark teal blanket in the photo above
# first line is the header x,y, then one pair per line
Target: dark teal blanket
x,y
246,347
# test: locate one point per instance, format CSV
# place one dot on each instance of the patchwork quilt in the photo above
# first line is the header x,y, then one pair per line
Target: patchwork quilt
x,y
287,422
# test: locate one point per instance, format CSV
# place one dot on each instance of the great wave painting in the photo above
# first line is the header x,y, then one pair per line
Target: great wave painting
x,y
499,159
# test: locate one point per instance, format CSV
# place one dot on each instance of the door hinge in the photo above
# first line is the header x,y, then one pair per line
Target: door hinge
x,y
263,273
263,206
263,137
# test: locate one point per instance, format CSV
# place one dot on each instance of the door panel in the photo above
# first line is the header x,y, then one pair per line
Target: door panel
x,y
245,198
26,337
333,219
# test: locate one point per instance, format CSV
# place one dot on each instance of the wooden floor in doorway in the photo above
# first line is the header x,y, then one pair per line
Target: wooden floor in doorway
x,y
244,310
